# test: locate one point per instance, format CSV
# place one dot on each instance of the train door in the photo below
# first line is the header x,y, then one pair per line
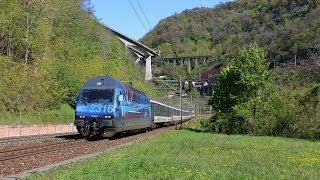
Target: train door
x,y
153,109
120,108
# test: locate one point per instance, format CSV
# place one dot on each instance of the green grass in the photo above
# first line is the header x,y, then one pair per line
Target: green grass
x,y
190,154
63,115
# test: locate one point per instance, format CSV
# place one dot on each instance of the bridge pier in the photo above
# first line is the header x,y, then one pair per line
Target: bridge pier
x,y
143,53
181,63
193,60
148,74
139,57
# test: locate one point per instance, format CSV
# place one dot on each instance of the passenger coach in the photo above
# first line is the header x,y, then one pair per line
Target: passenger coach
x,y
163,114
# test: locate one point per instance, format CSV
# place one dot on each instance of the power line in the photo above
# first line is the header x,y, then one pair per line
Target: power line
x,y
200,2
137,15
144,14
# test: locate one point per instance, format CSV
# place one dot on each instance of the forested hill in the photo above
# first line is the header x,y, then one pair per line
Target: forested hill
x,y
48,49
284,28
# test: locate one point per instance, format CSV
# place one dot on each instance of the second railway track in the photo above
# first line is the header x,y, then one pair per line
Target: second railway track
x,y
10,140
19,153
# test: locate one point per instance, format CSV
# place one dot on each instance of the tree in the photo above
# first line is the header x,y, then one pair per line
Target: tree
x,y
254,73
241,88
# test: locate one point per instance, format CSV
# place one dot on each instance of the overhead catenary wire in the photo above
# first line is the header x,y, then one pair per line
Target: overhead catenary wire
x,y
144,14
200,2
138,15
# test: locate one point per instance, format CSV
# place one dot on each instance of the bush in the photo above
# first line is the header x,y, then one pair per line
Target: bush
x,y
63,85
308,113
206,124
245,101
22,87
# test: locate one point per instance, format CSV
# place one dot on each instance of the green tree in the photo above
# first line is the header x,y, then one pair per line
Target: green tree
x,y
242,87
166,50
254,73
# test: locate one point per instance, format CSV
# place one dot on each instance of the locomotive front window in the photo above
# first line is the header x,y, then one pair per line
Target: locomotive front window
x,y
97,95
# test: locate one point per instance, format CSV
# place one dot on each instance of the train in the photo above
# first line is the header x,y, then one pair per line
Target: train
x,y
106,107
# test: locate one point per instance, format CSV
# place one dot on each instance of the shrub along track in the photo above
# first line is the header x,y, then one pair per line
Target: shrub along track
x,y
16,159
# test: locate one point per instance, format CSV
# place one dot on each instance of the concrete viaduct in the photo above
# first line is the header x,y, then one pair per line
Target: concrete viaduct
x,y
193,60
143,53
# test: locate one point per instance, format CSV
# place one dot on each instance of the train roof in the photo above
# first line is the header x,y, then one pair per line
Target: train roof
x,y
108,82
102,82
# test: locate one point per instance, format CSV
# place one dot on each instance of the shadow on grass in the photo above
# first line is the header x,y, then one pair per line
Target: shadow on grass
x,y
252,135
195,130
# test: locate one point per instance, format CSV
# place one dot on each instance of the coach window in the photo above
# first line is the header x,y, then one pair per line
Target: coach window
x,y
118,102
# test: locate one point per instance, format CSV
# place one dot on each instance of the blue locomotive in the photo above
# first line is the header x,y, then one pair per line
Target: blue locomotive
x,y
106,106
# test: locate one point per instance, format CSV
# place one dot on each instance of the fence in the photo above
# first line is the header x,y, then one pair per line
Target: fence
x,y
35,123
28,130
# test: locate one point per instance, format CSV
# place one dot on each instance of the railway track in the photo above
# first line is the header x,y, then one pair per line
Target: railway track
x,y
10,140
27,152
31,156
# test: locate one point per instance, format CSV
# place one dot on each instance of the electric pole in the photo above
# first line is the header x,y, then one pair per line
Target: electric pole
x,y
181,100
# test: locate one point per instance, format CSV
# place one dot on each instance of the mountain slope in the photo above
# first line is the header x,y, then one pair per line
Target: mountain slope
x,y
285,29
48,49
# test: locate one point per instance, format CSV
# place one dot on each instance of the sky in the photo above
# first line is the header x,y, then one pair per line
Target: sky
x,y
121,16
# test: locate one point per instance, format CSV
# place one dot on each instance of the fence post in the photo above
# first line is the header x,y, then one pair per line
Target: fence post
x,y
30,124
20,123
47,120
39,130
8,125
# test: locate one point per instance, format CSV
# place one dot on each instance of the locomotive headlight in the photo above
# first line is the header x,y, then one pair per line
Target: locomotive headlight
x,y
107,117
82,117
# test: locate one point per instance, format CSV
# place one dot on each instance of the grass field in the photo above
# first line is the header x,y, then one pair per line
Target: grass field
x,y
192,154
64,115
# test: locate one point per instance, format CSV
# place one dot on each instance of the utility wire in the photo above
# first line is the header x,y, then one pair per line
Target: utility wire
x,y
200,2
137,15
144,14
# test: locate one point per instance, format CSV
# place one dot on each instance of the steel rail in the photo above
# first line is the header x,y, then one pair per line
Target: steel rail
x,y
37,150
32,138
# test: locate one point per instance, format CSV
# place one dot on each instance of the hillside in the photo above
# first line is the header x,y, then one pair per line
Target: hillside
x,y
284,29
271,54
48,49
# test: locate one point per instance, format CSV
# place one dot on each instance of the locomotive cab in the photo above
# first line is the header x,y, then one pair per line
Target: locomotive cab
x,y
98,105
106,106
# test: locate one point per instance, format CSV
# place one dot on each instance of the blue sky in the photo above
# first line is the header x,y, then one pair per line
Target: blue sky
x,y
119,14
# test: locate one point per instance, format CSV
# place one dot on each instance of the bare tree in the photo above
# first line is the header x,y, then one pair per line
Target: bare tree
x,y
311,67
